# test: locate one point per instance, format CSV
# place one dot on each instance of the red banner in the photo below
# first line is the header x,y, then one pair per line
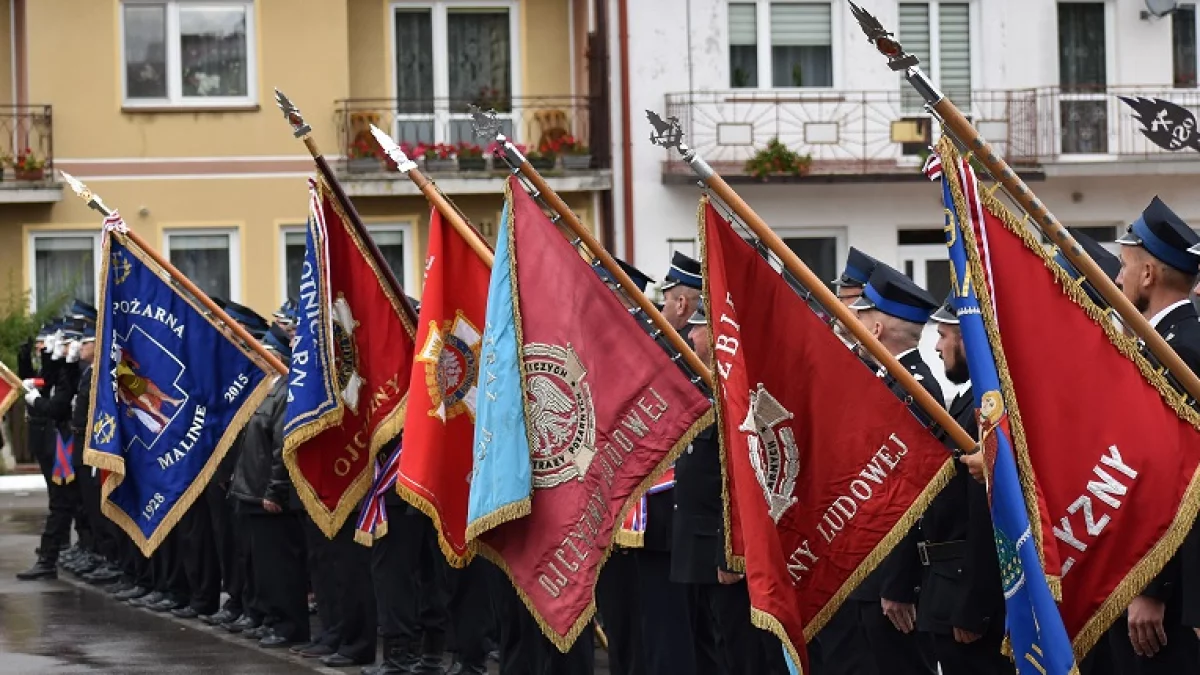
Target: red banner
x,y
355,339
10,389
1112,448
606,410
439,427
823,490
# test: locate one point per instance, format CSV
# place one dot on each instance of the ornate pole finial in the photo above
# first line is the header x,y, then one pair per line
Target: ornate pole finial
x,y
291,113
484,123
392,150
85,193
667,134
884,40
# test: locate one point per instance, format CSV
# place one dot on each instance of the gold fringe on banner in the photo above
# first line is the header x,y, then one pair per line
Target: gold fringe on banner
x,y
15,394
115,464
1157,557
420,503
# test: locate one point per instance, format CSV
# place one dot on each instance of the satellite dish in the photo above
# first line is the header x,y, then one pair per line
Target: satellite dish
x,y
1162,8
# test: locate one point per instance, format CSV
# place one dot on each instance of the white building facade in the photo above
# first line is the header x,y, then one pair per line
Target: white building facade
x,y
1040,78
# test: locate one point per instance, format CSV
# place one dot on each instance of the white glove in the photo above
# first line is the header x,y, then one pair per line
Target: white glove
x,y
60,350
29,384
32,396
49,343
73,348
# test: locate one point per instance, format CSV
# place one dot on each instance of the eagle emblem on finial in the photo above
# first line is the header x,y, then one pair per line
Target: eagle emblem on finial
x,y
667,133
291,113
883,40
484,123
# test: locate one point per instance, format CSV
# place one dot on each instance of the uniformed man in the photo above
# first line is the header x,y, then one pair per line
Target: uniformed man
x,y
617,598
961,601
855,276
1157,274
895,311
48,406
720,598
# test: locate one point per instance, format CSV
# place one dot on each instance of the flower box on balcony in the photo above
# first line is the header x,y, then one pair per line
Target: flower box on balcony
x,y
542,162
577,162
30,174
441,164
363,165
472,163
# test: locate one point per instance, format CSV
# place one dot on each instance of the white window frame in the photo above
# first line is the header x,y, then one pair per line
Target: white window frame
x,y
235,251
1114,112
31,244
175,97
410,254
1196,16
763,26
441,71
934,70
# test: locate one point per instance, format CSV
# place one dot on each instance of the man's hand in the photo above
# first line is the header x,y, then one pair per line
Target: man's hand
x,y
32,396
727,578
1146,630
271,506
965,637
903,615
974,464
73,348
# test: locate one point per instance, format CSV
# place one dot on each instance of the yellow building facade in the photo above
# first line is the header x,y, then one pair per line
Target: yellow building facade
x,y
166,109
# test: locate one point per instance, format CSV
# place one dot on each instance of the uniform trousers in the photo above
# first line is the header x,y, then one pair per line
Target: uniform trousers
x,y
279,573
435,591
200,561
169,577
666,616
892,651
1180,655
525,650
1099,661
63,499
618,603
359,617
244,555
721,619
470,610
395,561
220,513
323,576
136,568
843,645
981,657
104,531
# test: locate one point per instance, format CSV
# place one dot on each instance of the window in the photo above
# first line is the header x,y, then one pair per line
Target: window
x,y
64,267
188,53
743,45
448,56
822,254
391,240
925,259
944,29
1183,42
801,45
210,258
1083,76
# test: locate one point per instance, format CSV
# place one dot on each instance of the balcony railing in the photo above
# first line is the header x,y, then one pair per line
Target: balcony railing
x,y
528,121
27,128
886,133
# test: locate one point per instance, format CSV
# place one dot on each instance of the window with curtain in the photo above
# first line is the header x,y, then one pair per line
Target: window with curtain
x,y
743,45
414,61
206,259
801,45
478,55
185,52
948,25
64,268
1183,45
1083,77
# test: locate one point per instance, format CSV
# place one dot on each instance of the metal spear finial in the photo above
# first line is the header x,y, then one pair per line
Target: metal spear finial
x,y
485,123
403,163
666,134
85,193
300,128
883,40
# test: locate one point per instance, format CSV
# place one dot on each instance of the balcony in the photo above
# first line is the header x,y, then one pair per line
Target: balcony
x,y
883,136
31,128
532,122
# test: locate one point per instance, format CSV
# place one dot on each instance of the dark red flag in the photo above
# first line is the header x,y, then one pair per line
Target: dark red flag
x,y
822,490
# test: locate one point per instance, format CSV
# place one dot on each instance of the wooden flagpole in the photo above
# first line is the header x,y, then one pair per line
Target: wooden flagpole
x,y
542,190
94,201
302,131
436,198
671,136
969,137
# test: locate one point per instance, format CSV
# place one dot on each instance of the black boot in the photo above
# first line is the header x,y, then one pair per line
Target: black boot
x,y
398,659
432,647
44,568
461,668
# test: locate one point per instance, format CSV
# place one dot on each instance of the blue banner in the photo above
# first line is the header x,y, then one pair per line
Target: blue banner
x,y
312,387
1035,629
170,393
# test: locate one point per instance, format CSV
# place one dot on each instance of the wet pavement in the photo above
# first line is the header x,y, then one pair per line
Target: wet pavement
x,y
65,627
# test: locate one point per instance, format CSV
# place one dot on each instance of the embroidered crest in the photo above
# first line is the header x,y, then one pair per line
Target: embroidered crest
x,y
104,428
345,353
1012,574
451,358
121,267
773,452
562,419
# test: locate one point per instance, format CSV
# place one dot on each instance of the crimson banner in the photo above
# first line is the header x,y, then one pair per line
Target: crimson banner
x,y
823,490
10,389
